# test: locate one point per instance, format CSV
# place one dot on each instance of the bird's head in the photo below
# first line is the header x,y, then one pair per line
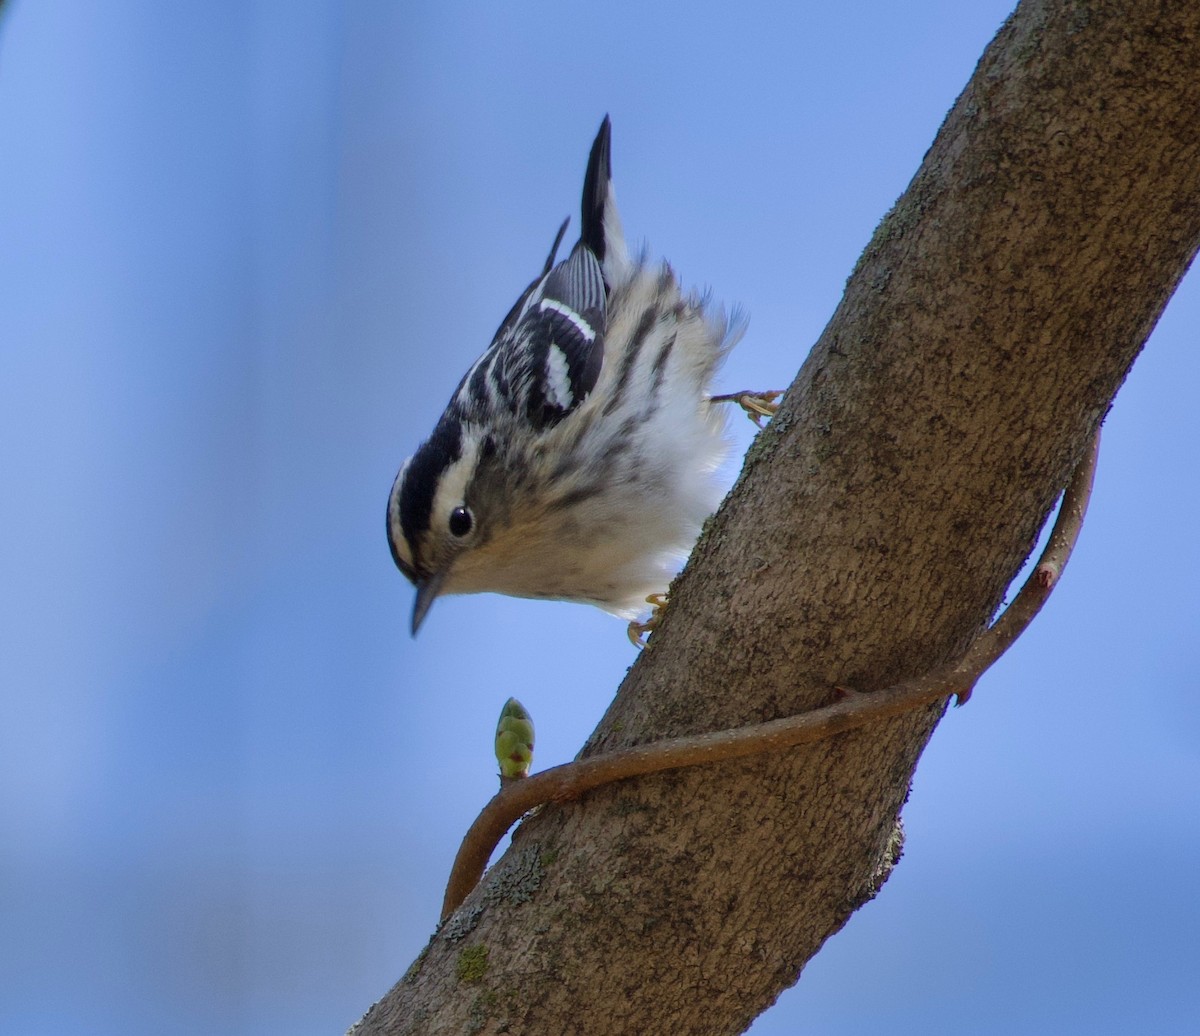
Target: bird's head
x,y
441,508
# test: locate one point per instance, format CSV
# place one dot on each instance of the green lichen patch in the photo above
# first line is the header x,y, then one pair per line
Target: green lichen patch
x,y
472,964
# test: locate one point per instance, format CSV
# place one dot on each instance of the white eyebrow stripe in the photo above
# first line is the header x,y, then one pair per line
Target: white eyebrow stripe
x,y
581,325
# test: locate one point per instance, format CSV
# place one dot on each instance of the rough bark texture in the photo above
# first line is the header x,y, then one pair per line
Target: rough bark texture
x,y
877,524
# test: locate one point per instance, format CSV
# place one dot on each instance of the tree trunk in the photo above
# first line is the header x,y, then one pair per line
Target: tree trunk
x,y
875,528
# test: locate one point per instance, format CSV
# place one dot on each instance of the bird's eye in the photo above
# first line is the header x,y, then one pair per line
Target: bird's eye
x,y
461,521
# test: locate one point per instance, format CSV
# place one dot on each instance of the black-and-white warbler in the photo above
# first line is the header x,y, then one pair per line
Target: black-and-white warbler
x,y
576,458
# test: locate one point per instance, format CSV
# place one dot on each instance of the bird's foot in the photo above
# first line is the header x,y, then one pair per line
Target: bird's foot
x,y
638,630
759,406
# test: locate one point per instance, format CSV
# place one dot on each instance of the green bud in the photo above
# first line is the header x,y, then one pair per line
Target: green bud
x,y
514,741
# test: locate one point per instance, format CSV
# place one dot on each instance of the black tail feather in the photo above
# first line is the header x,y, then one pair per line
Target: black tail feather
x,y
554,247
595,191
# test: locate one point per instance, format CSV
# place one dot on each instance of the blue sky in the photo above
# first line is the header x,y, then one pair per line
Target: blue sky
x,y
247,251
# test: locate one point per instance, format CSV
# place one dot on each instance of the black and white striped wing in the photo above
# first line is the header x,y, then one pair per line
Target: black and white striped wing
x,y
548,353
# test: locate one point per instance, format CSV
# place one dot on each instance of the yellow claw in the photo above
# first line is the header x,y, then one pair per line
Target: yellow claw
x,y
758,405
636,630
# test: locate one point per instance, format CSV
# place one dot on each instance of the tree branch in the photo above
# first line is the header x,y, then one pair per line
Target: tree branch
x,y
878,520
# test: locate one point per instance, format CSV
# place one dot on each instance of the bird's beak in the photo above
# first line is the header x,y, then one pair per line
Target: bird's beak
x,y
427,589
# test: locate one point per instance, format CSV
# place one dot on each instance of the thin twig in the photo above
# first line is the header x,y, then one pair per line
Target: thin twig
x,y
956,678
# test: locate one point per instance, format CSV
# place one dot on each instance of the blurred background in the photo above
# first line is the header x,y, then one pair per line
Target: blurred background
x,y
246,251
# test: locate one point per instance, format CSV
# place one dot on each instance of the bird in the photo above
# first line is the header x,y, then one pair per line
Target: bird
x,y
577,458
